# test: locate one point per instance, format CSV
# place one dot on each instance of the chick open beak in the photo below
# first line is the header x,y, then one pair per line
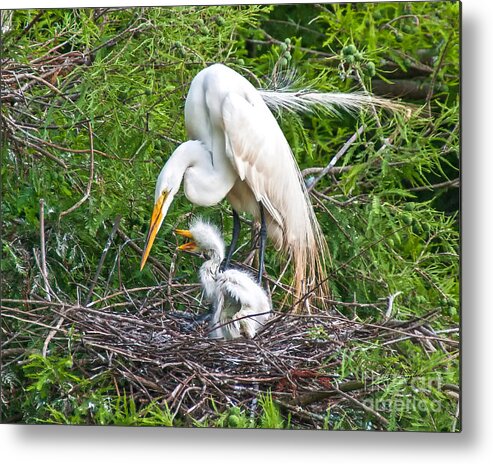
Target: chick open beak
x,y
156,220
189,246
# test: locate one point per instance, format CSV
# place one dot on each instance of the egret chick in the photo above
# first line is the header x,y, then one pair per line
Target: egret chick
x,y
240,306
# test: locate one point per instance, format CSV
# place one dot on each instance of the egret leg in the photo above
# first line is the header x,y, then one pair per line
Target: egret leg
x,y
234,239
263,240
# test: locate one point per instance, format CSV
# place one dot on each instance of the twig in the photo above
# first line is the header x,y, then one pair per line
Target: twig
x,y
101,260
456,416
51,334
316,170
366,408
31,24
44,271
378,326
297,26
398,18
91,176
29,321
336,158
436,71
281,275
345,264
73,150
450,183
114,40
5,353
41,150
312,397
388,313
271,40
140,251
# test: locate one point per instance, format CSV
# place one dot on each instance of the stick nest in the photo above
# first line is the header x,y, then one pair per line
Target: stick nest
x,y
166,357
145,341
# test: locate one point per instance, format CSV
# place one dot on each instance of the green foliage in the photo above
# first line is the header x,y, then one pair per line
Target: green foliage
x,y
389,210
271,417
121,411
403,385
235,417
58,393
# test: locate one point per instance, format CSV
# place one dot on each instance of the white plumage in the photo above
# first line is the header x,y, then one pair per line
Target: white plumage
x,y
237,151
240,305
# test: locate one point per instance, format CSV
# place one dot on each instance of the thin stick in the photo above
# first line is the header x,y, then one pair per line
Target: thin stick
x,y
41,151
376,326
278,281
455,183
336,158
44,270
29,321
91,176
31,24
51,335
343,265
390,305
101,260
315,396
140,251
74,150
366,408
436,71
456,417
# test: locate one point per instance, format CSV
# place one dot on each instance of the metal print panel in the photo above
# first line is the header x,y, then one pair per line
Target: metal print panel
x,y
232,216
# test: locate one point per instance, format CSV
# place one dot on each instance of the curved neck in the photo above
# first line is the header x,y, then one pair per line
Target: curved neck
x,y
206,181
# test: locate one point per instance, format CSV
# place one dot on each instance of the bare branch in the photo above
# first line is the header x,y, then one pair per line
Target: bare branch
x,y
89,183
101,260
44,270
336,158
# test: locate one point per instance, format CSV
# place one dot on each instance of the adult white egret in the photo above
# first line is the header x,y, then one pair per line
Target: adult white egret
x,y
239,305
237,151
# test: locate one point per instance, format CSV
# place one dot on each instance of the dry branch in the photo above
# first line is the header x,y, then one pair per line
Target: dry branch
x,y
336,158
102,259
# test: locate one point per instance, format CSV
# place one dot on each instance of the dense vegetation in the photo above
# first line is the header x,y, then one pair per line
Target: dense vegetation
x,y
92,106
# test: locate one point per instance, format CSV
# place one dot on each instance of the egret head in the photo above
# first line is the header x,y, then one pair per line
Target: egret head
x,y
205,237
168,183
187,155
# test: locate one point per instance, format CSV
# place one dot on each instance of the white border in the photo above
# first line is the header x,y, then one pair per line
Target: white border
x,y
40,444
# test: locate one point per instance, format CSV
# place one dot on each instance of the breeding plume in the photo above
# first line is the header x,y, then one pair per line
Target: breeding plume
x,y
237,151
239,305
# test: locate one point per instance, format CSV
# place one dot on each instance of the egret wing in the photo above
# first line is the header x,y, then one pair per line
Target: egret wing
x,y
263,159
237,289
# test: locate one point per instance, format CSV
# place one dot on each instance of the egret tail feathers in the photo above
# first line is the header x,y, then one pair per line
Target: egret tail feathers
x,y
310,279
308,101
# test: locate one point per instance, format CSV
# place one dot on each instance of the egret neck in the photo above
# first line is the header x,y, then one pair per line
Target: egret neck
x,y
206,183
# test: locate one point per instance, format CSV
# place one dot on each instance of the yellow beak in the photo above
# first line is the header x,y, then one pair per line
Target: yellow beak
x,y
189,246
184,233
156,219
